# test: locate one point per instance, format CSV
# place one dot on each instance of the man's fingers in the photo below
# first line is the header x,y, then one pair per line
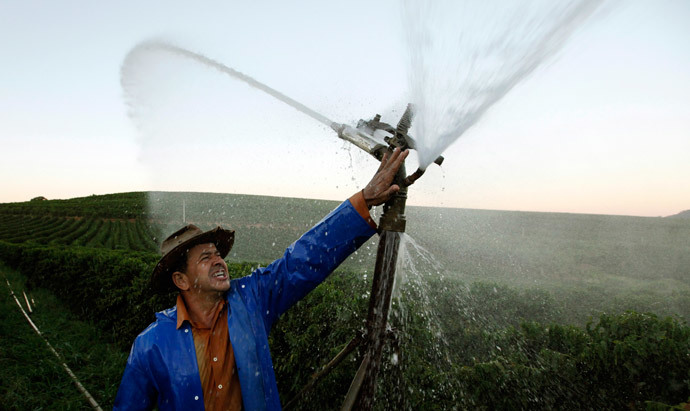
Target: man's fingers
x,y
392,190
389,167
395,160
384,161
398,157
379,188
390,158
384,195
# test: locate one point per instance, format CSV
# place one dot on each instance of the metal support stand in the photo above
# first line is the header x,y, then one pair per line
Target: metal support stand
x,y
362,391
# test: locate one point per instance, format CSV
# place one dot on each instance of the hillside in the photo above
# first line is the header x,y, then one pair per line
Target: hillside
x,y
682,214
636,262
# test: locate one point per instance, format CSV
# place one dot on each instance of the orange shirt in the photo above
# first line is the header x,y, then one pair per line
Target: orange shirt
x,y
215,358
358,202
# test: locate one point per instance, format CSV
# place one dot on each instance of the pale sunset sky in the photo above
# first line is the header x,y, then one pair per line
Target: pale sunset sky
x,y
602,128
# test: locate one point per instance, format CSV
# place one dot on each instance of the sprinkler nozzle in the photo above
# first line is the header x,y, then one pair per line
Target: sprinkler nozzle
x,y
409,180
376,137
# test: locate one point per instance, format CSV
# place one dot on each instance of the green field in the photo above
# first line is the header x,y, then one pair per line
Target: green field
x,y
589,263
491,304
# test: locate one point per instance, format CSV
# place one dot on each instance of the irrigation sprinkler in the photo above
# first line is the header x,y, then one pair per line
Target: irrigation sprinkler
x,y
362,390
376,138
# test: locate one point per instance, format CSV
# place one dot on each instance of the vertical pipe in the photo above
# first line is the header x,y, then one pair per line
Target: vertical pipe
x,y
363,388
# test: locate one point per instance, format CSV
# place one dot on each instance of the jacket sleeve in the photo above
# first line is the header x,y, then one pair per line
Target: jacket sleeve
x,y
309,260
136,391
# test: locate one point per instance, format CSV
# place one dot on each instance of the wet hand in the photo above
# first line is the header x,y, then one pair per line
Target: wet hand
x,y
380,188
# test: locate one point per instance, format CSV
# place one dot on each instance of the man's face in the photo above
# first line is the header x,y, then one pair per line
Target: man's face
x,y
206,270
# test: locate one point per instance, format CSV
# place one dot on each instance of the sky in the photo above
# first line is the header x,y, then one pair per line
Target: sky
x,y
603,127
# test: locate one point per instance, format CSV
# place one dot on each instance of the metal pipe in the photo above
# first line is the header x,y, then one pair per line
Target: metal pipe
x,y
409,180
362,391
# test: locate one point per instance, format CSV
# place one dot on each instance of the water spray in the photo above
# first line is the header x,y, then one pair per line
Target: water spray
x,y
372,136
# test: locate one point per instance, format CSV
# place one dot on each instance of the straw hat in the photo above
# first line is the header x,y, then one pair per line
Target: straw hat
x,y
176,246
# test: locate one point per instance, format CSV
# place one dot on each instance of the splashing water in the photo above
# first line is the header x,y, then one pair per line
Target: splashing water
x,y
417,270
465,56
414,263
420,333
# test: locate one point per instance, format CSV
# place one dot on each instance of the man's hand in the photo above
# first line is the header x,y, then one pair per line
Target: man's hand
x,y
380,189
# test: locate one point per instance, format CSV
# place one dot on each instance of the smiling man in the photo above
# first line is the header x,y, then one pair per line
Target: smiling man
x,y
211,351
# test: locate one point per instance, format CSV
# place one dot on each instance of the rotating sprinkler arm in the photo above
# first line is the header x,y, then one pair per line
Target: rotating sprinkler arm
x,y
376,137
360,139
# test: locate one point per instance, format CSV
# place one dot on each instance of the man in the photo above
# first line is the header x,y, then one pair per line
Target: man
x,y
211,350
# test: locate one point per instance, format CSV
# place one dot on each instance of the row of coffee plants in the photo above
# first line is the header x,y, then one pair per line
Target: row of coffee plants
x,y
121,205
108,287
134,235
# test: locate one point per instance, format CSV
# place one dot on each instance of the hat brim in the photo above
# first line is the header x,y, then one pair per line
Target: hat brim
x,y
161,279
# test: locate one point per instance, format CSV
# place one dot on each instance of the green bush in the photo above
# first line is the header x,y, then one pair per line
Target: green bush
x,y
617,362
637,357
108,287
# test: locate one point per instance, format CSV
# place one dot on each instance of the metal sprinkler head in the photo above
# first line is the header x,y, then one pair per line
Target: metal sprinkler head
x,y
376,137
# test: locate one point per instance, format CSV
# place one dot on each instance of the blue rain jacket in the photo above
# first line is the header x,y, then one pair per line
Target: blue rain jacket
x,y
162,367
